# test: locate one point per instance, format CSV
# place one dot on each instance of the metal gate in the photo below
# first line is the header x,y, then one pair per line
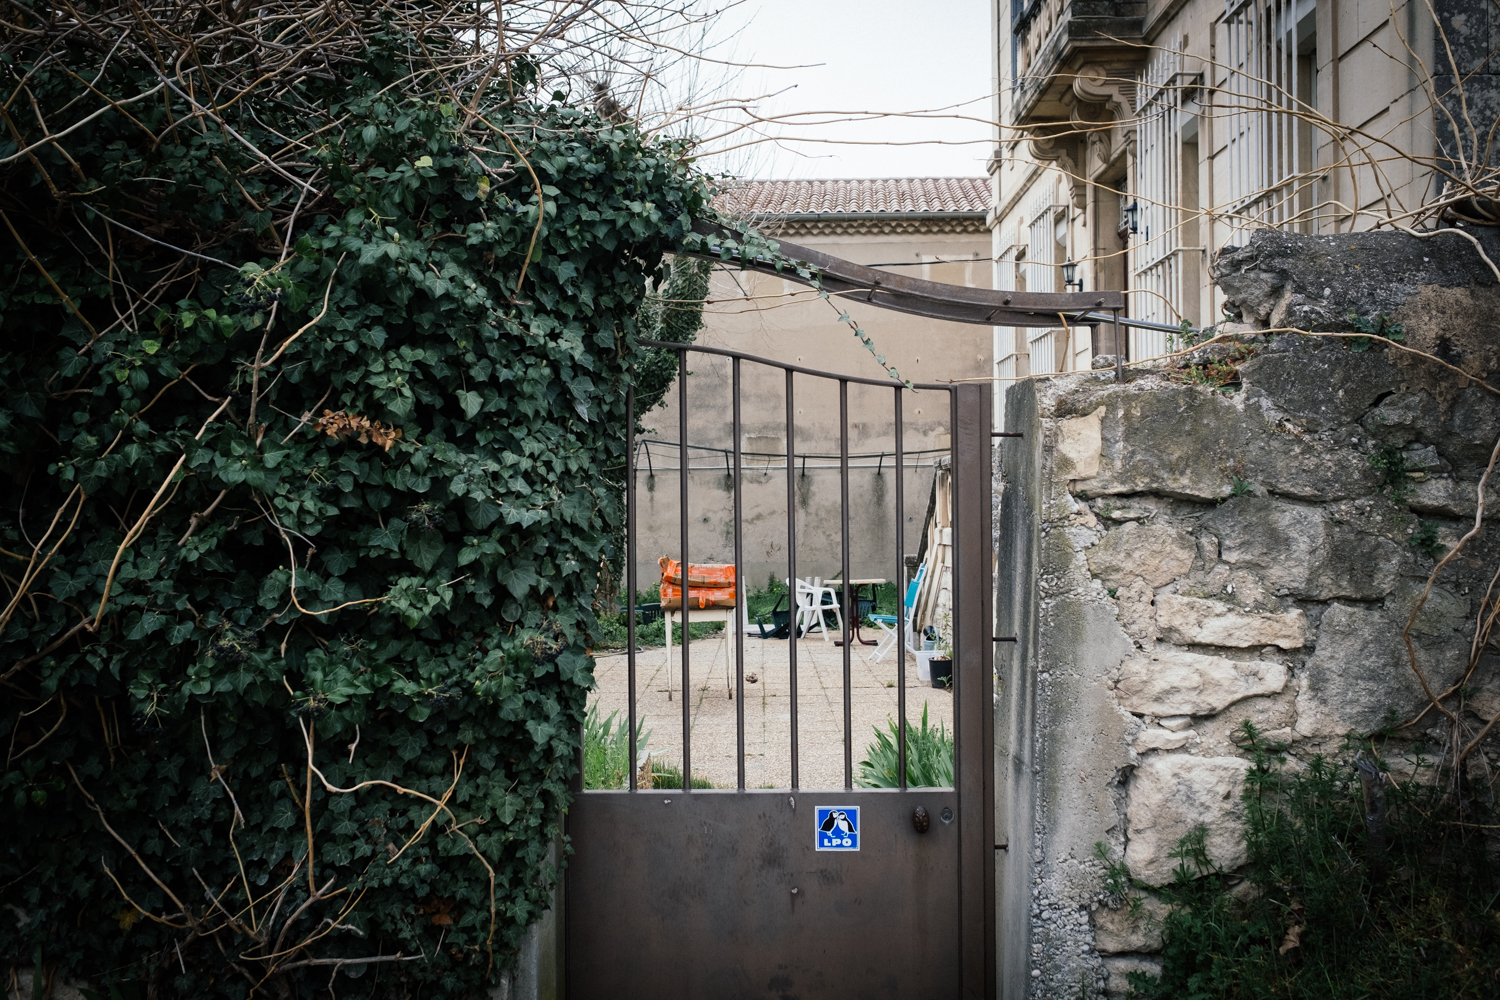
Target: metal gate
x,y
726,893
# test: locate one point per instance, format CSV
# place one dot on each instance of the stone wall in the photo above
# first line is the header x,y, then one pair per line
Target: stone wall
x,y
1176,558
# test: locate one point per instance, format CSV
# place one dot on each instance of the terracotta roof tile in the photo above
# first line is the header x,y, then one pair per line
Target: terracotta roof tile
x,y
931,195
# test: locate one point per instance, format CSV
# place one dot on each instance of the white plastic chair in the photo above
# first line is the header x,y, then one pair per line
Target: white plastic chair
x,y
891,636
814,602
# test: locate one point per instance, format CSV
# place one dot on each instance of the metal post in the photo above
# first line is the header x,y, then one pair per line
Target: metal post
x,y
682,489
739,593
630,582
973,685
1119,350
791,558
850,606
902,639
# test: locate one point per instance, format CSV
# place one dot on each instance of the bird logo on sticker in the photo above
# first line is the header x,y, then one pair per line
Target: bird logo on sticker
x,y
837,828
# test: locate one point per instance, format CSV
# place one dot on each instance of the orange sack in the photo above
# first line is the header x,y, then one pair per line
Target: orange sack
x,y
701,597
699,574
709,585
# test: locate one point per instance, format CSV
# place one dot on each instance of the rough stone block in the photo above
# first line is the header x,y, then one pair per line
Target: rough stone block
x,y
1122,930
1402,418
1166,681
1320,385
1470,433
1119,968
1313,282
1298,552
1174,440
1171,795
1361,672
1449,497
1154,552
1137,616
1079,441
1212,623
1156,738
1319,467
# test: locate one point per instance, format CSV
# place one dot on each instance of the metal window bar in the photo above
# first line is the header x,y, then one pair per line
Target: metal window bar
x,y
1157,257
1041,275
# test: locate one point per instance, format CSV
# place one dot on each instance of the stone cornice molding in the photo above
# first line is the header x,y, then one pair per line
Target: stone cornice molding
x,y
1062,151
1112,86
875,224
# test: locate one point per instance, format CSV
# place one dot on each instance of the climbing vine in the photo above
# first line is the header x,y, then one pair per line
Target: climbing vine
x,y
316,337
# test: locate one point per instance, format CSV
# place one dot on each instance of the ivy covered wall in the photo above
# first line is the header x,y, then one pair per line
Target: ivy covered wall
x,y
312,462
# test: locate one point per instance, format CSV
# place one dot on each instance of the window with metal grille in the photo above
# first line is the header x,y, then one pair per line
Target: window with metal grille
x,y
1164,253
1264,62
1042,275
1010,356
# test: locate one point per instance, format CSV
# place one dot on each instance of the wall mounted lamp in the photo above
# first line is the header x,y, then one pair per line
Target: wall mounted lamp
x,y
1070,276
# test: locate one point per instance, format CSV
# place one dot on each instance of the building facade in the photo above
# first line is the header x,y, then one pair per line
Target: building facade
x,y
1138,137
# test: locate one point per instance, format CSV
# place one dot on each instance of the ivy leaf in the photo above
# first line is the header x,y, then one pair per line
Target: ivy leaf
x,y
423,548
481,513
389,537
518,578
409,743
471,401
150,346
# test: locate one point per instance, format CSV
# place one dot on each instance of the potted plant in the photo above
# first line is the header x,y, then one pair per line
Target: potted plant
x,y
940,667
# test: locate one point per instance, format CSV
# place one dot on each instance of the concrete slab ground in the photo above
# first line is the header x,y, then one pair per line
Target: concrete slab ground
x,y
820,706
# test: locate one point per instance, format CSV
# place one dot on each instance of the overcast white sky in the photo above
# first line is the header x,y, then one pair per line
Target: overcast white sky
x,y
876,55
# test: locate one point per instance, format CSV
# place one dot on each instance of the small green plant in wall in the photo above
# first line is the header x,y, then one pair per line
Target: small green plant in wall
x,y
1424,538
1390,461
1379,325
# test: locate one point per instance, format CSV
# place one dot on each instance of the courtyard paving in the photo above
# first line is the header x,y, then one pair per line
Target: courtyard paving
x,y
820,706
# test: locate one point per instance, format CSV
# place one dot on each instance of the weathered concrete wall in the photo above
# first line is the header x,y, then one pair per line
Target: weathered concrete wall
x,y
1176,559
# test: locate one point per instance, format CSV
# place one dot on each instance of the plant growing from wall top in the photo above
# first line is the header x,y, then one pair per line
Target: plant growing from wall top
x,y
316,341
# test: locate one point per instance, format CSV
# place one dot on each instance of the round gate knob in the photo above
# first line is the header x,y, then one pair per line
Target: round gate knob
x,y
920,821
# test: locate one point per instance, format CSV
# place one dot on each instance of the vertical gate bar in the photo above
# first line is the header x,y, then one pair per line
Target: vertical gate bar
x,y
682,489
630,581
739,593
901,637
973,677
1119,350
791,558
851,607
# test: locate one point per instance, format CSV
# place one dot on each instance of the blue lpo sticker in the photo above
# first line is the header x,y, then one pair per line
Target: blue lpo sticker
x,y
838,828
